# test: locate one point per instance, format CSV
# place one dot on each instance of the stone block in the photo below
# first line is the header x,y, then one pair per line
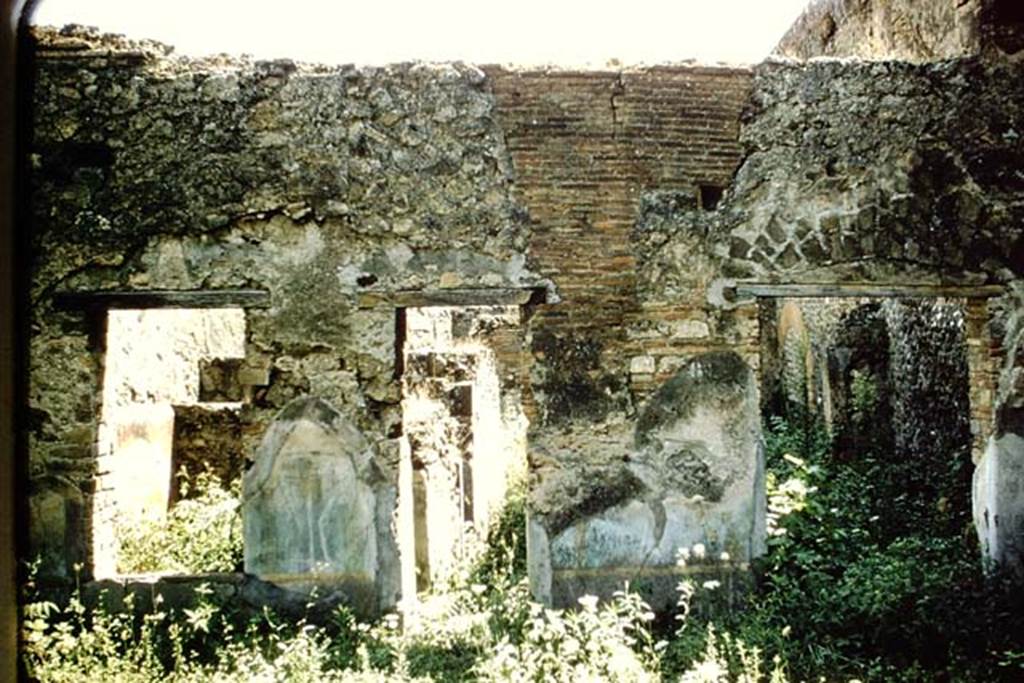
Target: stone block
x,y
691,329
219,380
641,365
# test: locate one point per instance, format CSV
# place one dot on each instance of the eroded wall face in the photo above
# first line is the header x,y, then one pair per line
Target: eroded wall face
x,y
905,30
885,29
692,478
878,173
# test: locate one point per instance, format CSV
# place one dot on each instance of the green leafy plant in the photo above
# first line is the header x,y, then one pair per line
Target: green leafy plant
x,y
843,594
201,533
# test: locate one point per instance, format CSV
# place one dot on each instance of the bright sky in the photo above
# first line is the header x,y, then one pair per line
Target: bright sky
x,y
566,32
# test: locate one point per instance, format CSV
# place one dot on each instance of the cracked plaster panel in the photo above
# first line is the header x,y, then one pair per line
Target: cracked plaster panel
x,y
317,508
693,473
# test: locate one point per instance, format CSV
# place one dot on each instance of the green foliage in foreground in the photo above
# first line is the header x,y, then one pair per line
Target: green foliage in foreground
x,y
845,593
483,633
484,628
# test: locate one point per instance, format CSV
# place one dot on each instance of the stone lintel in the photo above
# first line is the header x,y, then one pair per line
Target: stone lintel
x,y
746,290
497,296
163,298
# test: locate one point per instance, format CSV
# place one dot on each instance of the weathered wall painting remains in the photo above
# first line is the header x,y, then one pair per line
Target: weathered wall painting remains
x,y
696,478
317,508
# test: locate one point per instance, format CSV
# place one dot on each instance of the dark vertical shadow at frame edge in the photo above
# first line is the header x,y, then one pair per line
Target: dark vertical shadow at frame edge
x,y
15,122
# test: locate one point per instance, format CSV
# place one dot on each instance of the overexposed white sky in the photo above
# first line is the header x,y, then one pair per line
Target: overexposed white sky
x,y
566,32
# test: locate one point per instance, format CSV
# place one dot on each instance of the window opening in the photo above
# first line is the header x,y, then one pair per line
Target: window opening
x,y
710,196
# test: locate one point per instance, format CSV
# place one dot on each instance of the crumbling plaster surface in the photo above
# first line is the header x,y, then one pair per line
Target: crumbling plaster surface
x,y
998,491
693,476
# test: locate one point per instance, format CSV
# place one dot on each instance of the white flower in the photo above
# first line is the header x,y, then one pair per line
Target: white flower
x,y
699,551
589,602
712,585
724,557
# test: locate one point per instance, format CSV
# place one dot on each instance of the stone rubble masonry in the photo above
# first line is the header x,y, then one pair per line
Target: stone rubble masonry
x,y
631,198
885,29
907,30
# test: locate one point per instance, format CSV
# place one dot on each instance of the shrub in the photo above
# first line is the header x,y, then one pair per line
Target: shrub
x,y
201,533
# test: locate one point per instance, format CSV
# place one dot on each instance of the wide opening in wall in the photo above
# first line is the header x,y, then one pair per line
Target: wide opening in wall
x,y
465,433
882,394
170,400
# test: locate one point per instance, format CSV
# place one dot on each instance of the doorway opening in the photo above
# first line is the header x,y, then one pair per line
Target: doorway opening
x,y
465,434
157,362
883,388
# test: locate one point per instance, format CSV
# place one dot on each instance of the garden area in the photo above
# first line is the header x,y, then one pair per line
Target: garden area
x,y
871,575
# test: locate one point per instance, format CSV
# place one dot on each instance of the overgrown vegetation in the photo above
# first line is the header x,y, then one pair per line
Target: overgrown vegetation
x,y
484,627
202,532
863,581
872,575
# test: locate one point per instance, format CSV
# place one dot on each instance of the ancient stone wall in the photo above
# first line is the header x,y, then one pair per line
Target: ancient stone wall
x,y
906,30
322,186
591,153
883,173
626,204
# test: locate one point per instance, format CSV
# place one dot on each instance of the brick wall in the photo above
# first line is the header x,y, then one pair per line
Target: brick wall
x,y
586,147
